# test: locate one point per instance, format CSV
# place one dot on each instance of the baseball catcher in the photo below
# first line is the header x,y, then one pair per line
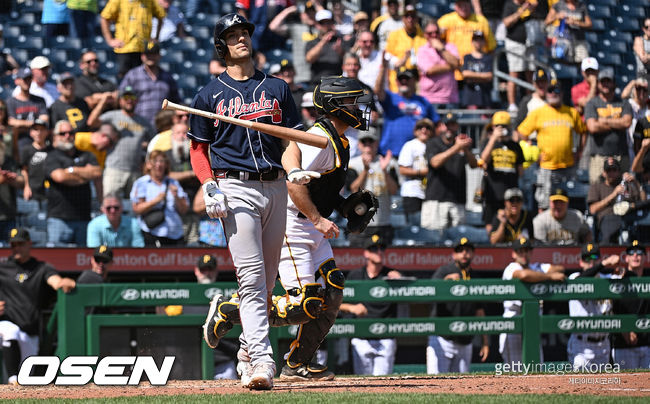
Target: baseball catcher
x,y
313,282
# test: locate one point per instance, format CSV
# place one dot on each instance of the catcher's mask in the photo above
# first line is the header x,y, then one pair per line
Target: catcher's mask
x,y
224,24
345,99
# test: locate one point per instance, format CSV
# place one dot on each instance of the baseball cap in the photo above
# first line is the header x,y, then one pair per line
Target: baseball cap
x,y
151,47
40,122
375,241
540,75
103,253
361,15
478,35
408,73
611,162
275,69
19,235
521,243
409,9
463,243
559,194
127,90
307,100
513,193
323,15
23,73
371,133
635,245
589,63
63,77
424,123
501,118
590,251
606,73
206,261
449,117
39,62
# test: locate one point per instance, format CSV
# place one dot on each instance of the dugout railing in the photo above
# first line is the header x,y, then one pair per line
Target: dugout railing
x,y
79,330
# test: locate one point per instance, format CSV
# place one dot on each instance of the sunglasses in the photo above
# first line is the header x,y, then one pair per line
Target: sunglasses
x,y
636,252
66,133
646,26
129,97
89,61
641,88
113,207
590,257
375,248
554,90
101,260
515,199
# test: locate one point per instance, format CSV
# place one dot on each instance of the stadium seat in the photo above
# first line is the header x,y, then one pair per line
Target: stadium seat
x,y
201,33
475,235
592,37
619,36
25,19
228,7
563,71
197,69
609,58
599,11
201,55
172,56
610,3
429,9
176,43
415,235
64,42
631,11
642,3
473,218
611,45
597,24
625,24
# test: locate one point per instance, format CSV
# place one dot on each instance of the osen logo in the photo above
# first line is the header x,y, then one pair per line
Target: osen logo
x,y
130,294
538,289
458,326
617,288
212,292
458,290
377,328
378,292
643,323
566,324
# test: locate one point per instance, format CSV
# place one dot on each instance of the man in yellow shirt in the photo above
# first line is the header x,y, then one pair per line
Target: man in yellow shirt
x,y
133,21
98,142
458,28
402,44
555,124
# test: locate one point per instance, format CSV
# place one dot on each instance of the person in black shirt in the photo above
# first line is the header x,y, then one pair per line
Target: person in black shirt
x,y
91,86
453,353
373,356
24,281
100,264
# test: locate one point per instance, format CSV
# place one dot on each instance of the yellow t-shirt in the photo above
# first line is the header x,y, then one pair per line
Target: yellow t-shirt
x,y
555,129
459,31
531,153
82,142
132,20
397,44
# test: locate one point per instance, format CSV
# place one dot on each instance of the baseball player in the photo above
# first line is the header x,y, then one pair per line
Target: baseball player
x,y
587,349
453,353
23,284
313,282
525,271
244,182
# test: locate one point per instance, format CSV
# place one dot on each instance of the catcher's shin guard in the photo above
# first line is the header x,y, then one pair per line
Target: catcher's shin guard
x,y
311,334
283,312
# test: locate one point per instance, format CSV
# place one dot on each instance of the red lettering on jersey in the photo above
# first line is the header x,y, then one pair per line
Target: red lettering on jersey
x,y
250,111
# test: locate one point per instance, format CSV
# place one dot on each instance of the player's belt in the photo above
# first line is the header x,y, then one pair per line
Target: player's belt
x,y
595,340
271,175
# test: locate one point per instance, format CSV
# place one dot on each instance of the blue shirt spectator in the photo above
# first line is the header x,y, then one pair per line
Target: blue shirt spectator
x,y
114,228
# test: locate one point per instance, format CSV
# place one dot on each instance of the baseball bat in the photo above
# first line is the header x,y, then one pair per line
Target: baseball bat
x,y
273,130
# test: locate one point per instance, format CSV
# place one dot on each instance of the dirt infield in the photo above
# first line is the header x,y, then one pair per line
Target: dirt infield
x,y
624,384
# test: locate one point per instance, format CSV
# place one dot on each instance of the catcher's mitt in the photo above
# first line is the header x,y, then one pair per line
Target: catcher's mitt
x,y
359,208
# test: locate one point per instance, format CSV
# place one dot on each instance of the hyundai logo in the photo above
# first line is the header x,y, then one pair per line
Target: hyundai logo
x,y
643,323
538,289
617,288
378,328
130,294
378,292
458,326
458,290
565,324
212,292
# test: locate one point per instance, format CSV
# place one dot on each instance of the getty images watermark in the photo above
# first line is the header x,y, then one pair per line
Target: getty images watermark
x,y
590,373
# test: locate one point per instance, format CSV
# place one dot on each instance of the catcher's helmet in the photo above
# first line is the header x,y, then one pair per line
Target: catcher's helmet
x,y
334,94
223,24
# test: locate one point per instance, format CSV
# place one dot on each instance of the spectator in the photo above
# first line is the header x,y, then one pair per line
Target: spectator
x,y
172,24
370,58
535,100
603,195
132,28
446,194
360,23
98,143
413,167
511,222
492,10
401,110
324,53
309,116
575,16
477,74
192,6
437,61
159,201
608,118
124,161
403,44
83,20
211,232
7,132
55,20
383,25
24,108
630,349
40,86
32,157
217,65
377,174
503,164
23,287
555,124
592,348
459,26
100,264
373,356
516,13
584,91
343,21
8,64
69,107
92,87
641,48
285,71
636,93
151,83
113,227
10,181
69,171
453,353
526,271
559,224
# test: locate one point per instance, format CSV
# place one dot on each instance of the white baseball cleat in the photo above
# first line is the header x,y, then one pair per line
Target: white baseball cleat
x,y
244,367
262,377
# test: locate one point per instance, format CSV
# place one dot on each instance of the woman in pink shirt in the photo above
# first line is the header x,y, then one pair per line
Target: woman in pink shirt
x,y
437,61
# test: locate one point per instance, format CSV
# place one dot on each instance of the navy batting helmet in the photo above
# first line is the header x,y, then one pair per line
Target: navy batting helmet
x,y
334,94
225,23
